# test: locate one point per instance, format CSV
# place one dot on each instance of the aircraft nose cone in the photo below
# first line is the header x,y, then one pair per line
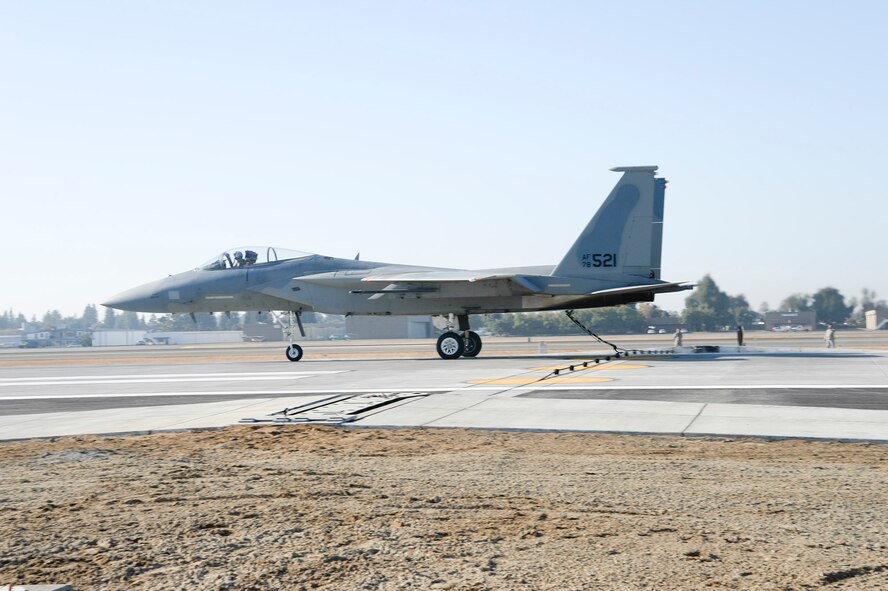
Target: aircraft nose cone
x,y
145,298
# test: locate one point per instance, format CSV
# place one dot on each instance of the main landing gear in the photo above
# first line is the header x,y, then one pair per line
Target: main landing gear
x,y
453,345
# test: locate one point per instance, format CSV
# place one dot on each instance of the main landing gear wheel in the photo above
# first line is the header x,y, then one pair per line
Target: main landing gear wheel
x,y
472,344
450,345
294,352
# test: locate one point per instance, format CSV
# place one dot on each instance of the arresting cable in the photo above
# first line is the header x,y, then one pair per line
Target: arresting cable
x,y
617,350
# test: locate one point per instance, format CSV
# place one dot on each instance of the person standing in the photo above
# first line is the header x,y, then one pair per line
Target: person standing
x,y
830,337
677,337
739,335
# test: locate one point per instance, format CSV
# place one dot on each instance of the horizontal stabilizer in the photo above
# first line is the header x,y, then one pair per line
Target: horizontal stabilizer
x,y
654,288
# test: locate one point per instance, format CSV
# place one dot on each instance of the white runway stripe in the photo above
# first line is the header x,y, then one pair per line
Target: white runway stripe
x,y
172,375
274,393
158,379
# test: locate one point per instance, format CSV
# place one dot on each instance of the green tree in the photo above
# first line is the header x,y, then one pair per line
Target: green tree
x,y
110,319
741,311
797,302
708,308
829,305
128,321
52,319
206,322
229,321
172,322
90,316
9,320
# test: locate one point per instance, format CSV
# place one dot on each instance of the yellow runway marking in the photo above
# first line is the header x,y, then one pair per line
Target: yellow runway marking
x,y
591,367
553,380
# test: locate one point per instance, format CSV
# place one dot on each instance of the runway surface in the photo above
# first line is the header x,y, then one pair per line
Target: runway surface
x,y
778,386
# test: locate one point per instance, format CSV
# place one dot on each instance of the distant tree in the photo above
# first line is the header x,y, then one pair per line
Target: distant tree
x,y
611,320
829,305
867,302
90,316
250,317
110,319
867,299
206,322
708,308
172,322
763,308
52,319
229,321
741,311
128,321
797,302
651,312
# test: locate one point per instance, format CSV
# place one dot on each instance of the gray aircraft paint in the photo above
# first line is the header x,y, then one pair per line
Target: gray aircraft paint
x,y
628,226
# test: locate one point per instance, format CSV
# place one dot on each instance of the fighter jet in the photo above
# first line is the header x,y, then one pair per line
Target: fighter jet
x,y
615,260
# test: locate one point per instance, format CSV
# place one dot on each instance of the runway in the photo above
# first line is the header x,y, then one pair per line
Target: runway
x,y
788,388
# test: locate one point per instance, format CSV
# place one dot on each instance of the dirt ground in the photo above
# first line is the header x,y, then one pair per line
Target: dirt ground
x,y
323,508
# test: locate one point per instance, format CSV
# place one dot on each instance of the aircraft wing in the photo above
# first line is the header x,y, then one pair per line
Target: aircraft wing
x,y
459,283
431,281
436,276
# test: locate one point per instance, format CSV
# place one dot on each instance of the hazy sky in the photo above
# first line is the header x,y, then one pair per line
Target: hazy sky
x,y
140,139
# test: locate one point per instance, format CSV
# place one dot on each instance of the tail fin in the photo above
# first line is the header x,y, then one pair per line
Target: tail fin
x,y
625,237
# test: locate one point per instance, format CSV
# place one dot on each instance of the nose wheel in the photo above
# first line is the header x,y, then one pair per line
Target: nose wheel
x,y
294,352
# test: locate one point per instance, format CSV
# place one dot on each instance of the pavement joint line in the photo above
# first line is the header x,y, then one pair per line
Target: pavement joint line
x,y
252,402
693,420
497,393
880,368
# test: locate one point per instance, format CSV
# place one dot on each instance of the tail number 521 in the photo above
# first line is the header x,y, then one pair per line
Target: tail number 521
x,y
607,259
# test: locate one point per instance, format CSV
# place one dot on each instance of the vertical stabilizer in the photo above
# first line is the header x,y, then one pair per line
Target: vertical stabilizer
x,y
625,236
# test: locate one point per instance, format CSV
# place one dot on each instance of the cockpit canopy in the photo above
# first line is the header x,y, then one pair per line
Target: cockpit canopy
x,y
247,256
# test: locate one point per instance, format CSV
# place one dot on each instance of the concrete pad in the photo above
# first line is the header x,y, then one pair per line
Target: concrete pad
x,y
783,421
422,411
152,418
508,412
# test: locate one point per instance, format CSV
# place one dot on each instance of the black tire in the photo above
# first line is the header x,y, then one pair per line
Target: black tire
x,y
450,345
473,344
294,352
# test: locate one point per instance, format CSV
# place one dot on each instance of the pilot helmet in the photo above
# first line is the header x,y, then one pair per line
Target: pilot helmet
x,y
238,255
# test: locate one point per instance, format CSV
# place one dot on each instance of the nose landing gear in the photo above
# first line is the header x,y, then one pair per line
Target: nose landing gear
x,y
293,351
